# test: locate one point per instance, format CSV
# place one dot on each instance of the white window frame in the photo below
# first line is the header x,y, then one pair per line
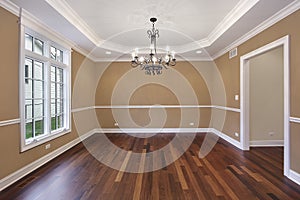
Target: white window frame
x,y
39,31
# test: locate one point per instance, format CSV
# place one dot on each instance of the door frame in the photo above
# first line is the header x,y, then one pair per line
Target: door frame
x,y
244,96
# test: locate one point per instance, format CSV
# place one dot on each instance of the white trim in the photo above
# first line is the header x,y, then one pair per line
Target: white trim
x,y
244,102
63,8
227,108
21,79
74,110
294,176
171,130
267,143
178,59
227,138
11,7
10,122
30,21
283,13
295,119
157,106
152,130
12,178
232,17
150,106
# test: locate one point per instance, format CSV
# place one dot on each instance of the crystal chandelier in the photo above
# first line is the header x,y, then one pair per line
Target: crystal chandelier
x,y
153,64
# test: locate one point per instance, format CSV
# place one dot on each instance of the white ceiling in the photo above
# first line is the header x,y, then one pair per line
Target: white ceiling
x,y
185,26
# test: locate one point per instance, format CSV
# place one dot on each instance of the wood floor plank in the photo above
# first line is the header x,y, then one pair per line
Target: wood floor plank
x,y
255,176
217,190
227,189
138,183
236,169
225,173
123,167
197,161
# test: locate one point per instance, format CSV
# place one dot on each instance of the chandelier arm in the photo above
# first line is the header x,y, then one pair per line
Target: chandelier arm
x,y
153,64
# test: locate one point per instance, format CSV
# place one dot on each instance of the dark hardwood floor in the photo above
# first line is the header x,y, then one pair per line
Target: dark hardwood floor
x,y
225,173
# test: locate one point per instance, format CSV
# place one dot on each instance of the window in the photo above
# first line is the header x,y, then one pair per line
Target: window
x,y
45,98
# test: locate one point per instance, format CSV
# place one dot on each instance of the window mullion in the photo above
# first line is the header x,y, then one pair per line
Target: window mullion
x,y
47,94
55,97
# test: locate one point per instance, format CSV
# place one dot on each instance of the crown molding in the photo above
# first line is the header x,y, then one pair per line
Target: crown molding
x,y
233,16
85,53
283,13
206,58
63,8
11,7
30,21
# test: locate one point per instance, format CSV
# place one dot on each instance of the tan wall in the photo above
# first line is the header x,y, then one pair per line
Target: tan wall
x,y
230,68
11,157
266,96
9,82
84,84
120,84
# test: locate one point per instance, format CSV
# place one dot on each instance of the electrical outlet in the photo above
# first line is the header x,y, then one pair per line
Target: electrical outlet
x,y
236,97
271,134
116,124
236,134
47,146
192,124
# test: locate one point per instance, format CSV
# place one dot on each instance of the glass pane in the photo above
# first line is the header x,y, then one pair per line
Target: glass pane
x,y
60,121
59,55
38,108
53,123
59,75
28,109
39,127
53,108
53,52
59,92
59,106
38,46
28,68
38,89
29,129
28,89
53,90
53,74
38,70
28,42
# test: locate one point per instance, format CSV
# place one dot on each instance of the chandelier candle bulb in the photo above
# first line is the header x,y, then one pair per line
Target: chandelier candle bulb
x,y
173,55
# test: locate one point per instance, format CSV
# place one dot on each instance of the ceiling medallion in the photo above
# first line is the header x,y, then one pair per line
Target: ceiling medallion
x,y
153,64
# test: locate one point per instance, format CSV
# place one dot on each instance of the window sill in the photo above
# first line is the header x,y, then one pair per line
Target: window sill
x,y
42,140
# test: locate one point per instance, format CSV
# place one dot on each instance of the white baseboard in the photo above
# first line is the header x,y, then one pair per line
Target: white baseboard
x,y
227,138
152,130
267,143
171,130
12,178
294,176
